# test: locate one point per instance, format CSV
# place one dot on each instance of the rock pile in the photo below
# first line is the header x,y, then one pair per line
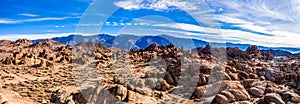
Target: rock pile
x,y
49,72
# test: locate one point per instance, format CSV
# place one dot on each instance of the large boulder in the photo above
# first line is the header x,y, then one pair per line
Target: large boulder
x,y
120,92
256,92
68,95
272,74
267,55
265,86
290,96
222,99
134,97
199,91
236,53
253,50
21,42
163,86
231,91
5,42
273,97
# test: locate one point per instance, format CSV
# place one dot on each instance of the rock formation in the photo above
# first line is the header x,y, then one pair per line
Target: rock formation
x,y
51,72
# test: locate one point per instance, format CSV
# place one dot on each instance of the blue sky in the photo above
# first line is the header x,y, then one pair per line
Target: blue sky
x,y
260,22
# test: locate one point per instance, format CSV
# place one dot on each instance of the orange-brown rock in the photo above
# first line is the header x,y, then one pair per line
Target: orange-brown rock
x,y
10,97
273,97
48,72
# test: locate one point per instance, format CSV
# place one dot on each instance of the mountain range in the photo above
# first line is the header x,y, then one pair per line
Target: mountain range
x,y
128,42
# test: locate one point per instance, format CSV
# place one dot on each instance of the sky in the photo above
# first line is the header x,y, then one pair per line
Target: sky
x,y
272,23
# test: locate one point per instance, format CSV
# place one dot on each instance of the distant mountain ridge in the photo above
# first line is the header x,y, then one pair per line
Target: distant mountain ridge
x,y
281,53
134,41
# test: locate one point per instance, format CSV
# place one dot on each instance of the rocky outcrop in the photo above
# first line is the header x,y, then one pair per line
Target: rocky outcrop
x,y
267,55
49,43
205,50
48,72
10,97
120,92
289,96
68,95
257,91
232,91
114,94
253,50
21,42
199,91
236,53
273,98
5,42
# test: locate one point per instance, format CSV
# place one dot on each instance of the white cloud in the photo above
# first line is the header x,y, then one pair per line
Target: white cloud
x,y
128,24
263,22
59,26
89,25
279,39
28,15
115,24
120,23
107,23
260,15
158,5
38,36
88,1
276,18
32,36
3,21
279,18
253,10
6,21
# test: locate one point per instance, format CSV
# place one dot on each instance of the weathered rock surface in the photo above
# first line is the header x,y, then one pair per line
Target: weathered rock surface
x,y
231,91
10,97
68,95
48,72
273,97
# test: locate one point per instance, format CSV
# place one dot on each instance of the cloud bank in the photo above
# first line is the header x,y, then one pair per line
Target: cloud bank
x,y
260,22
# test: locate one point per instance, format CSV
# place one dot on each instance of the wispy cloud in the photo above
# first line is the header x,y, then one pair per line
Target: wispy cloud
x,y
8,21
32,36
254,10
279,18
279,39
38,36
119,23
158,5
258,22
89,1
28,15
